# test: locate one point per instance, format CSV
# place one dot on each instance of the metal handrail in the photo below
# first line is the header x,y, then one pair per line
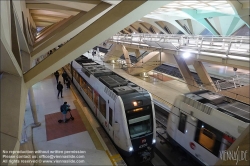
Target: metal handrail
x,y
222,45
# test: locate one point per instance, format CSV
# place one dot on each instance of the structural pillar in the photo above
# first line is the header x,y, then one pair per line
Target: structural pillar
x,y
33,107
186,74
137,53
204,76
127,58
26,60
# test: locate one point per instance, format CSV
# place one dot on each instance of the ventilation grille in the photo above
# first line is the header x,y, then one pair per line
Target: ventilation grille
x,y
198,105
110,93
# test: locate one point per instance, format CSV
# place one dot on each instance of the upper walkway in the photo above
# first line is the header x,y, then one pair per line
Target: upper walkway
x,y
231,51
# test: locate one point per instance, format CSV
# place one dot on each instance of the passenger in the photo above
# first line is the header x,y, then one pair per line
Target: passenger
x,y
57,76
64,109
64,76
68,83
59,88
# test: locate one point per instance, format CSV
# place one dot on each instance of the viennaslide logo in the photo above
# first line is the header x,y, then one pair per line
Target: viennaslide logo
x,y
235,155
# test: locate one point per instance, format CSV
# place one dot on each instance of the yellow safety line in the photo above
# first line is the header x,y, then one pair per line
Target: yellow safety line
x,y
73,93
93,136
113,163
89,128
116,156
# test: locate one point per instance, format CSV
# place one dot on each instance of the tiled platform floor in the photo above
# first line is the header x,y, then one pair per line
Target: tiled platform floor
x,y
75,134
56,130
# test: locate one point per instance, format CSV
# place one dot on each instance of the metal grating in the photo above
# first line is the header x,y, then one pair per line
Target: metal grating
x,y
238,109
198,105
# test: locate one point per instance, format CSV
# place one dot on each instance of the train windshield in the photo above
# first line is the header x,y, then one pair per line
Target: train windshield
x,y
140,126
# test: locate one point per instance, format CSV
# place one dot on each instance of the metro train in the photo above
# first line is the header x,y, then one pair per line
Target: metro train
x,y
125,110
205,124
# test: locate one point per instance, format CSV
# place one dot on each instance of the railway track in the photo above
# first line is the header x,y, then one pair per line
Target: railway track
x,y
170,154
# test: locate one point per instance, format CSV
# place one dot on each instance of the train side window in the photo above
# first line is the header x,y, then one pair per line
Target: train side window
x,y
209,137
81,82
102,104
110,116
74,73
182,122
90,92
96,98
83,85
78,77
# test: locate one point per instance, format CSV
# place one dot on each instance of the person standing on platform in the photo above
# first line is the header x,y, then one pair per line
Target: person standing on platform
x,y
64,75
59,88
64,109
57,76
68,83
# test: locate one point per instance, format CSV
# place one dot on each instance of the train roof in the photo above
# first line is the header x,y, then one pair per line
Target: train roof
x,y
114,82
224,104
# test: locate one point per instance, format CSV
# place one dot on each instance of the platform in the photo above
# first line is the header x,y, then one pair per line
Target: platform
x,y
165,88
83,134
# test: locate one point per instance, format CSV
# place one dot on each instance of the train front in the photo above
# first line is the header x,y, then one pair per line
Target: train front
x,y
140,114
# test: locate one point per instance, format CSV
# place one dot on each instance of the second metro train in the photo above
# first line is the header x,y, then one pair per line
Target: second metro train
x,y
125,110
205,124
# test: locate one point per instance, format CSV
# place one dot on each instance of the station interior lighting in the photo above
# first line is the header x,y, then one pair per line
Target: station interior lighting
x,y
186,55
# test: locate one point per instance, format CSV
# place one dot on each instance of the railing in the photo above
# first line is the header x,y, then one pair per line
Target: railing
x,y
235,47
233,82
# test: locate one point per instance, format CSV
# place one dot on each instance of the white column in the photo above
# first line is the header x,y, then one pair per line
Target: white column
x,y
33,106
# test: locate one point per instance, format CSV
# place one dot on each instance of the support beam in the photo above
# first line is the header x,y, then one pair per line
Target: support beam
x,y
144,28
232,26
127,57
137,53
120,16
58,26
126,30
240,11
190,25
204,76
114,53
14,36
149,21
8,61
75,24
133,28
202,19
186,74
45,30
178,26
80,6
26,61
21,37
46,6
50,13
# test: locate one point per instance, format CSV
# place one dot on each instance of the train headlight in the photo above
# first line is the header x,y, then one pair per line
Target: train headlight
x,y
135,103
153,141
131,149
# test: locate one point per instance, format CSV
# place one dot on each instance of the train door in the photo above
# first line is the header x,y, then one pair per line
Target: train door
x,y
110,122
103,113
95,99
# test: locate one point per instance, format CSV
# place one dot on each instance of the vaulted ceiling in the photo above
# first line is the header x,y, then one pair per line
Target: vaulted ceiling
x,y
47,12
185,17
